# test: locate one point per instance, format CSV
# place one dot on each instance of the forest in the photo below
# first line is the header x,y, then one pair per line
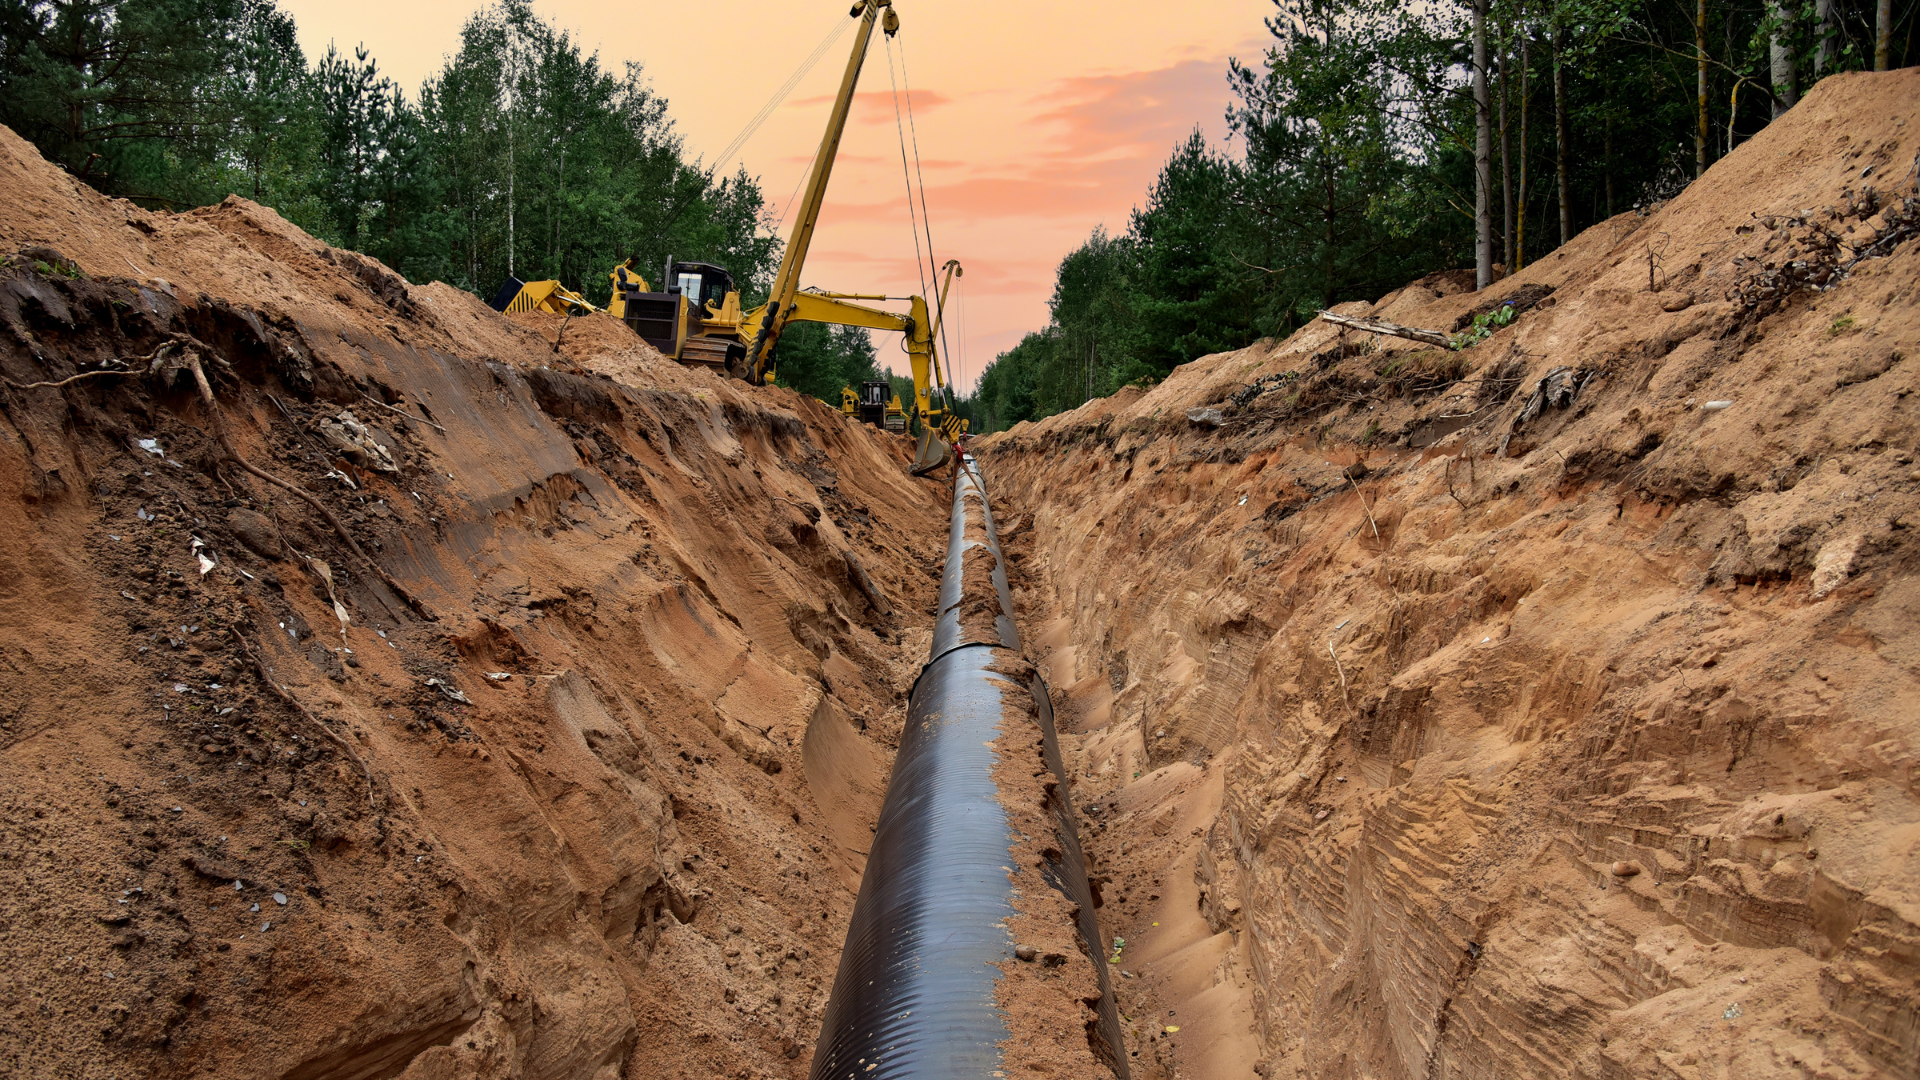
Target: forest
x,y
1380,140
1374,141
522,156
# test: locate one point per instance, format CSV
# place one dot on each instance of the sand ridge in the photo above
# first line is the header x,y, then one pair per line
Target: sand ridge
x,y
1489,737
594,805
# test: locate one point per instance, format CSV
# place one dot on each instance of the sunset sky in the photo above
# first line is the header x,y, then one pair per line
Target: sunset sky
x,y
1036,121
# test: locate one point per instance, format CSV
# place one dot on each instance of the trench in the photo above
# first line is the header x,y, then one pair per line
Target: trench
x,y
1494,723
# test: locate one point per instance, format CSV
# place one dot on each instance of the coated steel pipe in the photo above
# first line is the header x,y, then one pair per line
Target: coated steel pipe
x,y
974,951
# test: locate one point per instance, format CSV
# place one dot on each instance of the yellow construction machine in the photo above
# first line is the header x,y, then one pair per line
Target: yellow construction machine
x,y
551,296
624,275
698,317
920,329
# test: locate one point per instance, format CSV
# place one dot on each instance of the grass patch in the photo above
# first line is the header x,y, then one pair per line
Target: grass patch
x,y
1840,325
1426,365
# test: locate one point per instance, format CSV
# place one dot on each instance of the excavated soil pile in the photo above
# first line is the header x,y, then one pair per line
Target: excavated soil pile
x,y
1549,708
495,718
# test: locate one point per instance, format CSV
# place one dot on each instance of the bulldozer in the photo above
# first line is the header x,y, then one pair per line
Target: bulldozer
x,y
696,320
872,406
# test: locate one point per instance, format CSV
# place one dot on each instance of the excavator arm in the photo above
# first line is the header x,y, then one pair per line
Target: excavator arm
x,y
937,424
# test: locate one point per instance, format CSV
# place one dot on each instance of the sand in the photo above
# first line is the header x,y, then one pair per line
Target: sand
x,y
1576,745
577,784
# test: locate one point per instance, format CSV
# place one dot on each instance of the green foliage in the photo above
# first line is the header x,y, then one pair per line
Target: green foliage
x,y
1484,325
523,155
552,167
1005,394
1350,172
818,360
1324,204
112,90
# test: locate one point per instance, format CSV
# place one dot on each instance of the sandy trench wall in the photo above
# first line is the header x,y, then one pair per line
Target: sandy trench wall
x,y
1582,745
579,788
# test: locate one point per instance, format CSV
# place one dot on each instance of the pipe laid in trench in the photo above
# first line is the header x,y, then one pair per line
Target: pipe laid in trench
x,y
976,863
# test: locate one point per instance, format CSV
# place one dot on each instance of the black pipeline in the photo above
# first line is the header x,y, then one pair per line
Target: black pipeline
x,y
918,994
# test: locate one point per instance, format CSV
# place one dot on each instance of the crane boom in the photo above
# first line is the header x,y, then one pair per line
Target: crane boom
x,y
786,283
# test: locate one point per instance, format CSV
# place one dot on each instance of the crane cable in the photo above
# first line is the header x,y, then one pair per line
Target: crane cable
x,y
681,204
914,223
926,219
900,127
961,378
753,126
787,207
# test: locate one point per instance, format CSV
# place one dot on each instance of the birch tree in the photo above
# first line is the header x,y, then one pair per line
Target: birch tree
x,y
1482,154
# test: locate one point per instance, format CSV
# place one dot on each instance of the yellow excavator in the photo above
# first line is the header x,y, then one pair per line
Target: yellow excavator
x,y
698,318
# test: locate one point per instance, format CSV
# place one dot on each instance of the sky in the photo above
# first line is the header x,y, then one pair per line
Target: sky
x,y
1035,121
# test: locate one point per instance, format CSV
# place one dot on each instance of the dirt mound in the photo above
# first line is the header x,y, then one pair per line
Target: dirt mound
x,y
601,344
494,718
1546,708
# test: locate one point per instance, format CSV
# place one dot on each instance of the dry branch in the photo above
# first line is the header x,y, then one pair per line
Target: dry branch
x,y
1343,675
1381,326
1364,506
151,361
862,581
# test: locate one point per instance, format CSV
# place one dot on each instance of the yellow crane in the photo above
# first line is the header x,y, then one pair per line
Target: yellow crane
x,y
698,317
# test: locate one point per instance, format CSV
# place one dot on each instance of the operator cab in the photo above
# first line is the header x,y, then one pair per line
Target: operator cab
x,y
873,402
701,283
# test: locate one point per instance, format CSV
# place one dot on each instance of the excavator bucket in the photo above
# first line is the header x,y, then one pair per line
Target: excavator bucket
x,y
932,453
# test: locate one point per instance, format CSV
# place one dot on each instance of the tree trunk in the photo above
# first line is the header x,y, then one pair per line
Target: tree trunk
x,y
1520,233
1700,51
1560,138
1327,219
1506,168
1607,149
1825,28
1780,57
1882,34
1482,155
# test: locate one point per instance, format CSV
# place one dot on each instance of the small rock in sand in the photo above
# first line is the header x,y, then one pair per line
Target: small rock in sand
x,y
1025,952
256,531
1833,564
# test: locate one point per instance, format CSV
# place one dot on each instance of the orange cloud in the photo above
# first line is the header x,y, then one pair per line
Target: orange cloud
x,y
1109,136
876,106
993,278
